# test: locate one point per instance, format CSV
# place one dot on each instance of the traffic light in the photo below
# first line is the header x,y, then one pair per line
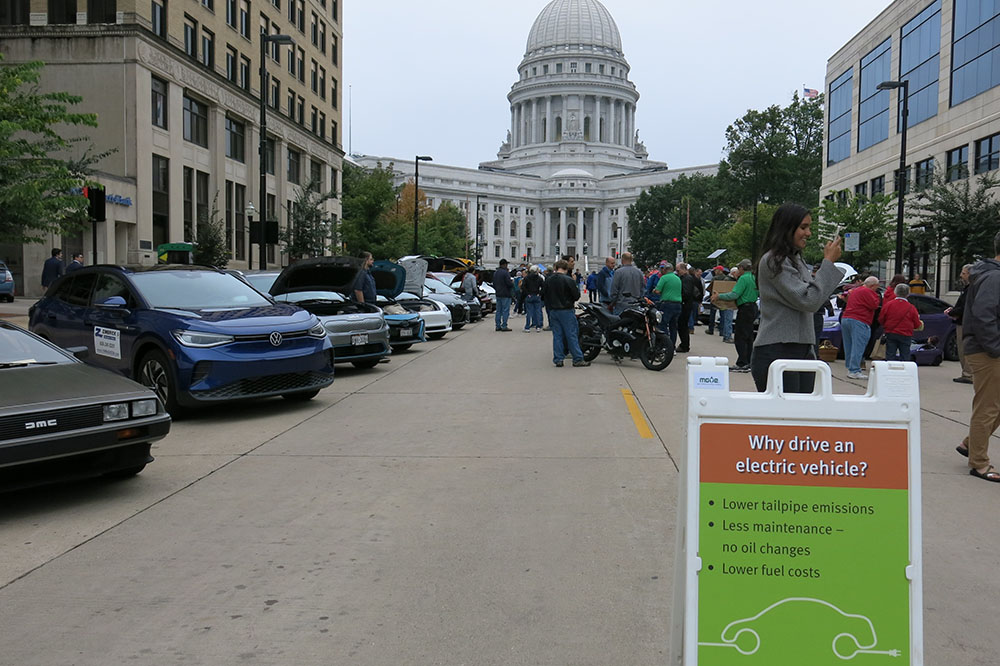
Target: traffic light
x,y
95,195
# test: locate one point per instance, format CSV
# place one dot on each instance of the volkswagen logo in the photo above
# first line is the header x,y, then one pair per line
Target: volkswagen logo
x,y
275,339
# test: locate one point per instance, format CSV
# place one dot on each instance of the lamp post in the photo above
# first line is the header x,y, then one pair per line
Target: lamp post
x,y
250,210
265,39
750,164
416,196
901,174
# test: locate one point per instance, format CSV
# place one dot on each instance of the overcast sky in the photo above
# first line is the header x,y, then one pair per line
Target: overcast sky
x,y
432,77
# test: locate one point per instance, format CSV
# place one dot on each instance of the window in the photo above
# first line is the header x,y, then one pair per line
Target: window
x,y
62,11
322,125
291,60
322,84
924,173
334,49
878,185
275,93
614,230
207,48
300,111
315,175
158,99
572,68
901,178
15,12
839,131
245,18
314,121
588,68
958,164
513,252
102,11
191,37
975,63
496,251
496,227
600,69
269,148
235,140
861,190
229,215
334,135
988,154
513,229
300,15
300,64
920,50
291,104
334,92
545,69
276,4
322,37
195,122
245,73
239,210
314,29
314,76
161,199
527,230
333,180
231,59
294,164
559,68
159,16
334,14
231,13
187,205
209,5
873,113
291,11
275,47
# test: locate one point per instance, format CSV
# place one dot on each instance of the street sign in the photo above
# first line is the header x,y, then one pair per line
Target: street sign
x,y
799,538
852,241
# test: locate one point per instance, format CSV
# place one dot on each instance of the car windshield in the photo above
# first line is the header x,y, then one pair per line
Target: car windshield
x,y
193,290
18,348
438,287
301,296
261,281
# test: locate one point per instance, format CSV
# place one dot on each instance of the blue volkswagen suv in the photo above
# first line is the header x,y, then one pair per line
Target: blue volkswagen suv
x,y
195,335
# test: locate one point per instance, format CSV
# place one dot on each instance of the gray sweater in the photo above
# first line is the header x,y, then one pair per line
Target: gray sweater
x,y
981,321
789,299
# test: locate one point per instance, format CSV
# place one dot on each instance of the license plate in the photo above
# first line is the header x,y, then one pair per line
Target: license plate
x,y
359,339
405,332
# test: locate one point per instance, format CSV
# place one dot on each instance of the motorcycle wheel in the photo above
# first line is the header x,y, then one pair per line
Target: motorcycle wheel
x,y
658,357
589,338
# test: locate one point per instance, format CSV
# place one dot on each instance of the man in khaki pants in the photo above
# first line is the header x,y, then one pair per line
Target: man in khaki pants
x,y
981,326
956,314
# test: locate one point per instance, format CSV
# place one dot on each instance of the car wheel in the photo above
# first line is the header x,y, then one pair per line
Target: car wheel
x,y
126,473
399,348
365,364
156,373
436,336
455,327
303,396
951,348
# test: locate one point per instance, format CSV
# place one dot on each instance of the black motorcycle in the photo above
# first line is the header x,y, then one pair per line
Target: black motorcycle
x,y
634,334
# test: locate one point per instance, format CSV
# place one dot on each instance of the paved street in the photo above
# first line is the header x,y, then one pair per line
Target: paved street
x,y
466,503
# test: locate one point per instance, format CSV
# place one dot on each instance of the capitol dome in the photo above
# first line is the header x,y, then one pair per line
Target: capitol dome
x,y
573,22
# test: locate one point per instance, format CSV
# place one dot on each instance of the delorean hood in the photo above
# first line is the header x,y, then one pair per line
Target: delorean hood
x,y
416,275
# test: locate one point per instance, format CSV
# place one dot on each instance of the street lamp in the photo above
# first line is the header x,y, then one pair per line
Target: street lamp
x,y
265,39
750,164
901,174
250,210
416,197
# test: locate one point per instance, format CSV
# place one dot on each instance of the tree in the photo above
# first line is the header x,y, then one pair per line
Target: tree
x,y
775,155
961,214
871,217
444,232
369,196
310,231
210,247
41,169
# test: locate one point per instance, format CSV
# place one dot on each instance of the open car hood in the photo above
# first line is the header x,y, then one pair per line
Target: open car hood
x,y
390,278
416,275
319,274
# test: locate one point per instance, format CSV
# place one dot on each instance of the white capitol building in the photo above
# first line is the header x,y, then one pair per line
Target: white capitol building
x,y
572,162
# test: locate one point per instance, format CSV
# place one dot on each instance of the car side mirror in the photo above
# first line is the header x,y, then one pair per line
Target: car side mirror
x,y
114,302
78,352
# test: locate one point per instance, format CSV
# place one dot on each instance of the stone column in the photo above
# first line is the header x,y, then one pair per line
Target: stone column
x,y
596,247
533,123
579,231
626,120
612,134
548,121
562,231
522,238
546,237
513,125
595,132
623,229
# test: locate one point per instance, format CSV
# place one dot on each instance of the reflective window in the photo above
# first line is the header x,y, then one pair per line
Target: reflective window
x,y
920,51
196,289
975,63
958,164
839,131
109,285
988,154
18,347
873,112
924,173
878,185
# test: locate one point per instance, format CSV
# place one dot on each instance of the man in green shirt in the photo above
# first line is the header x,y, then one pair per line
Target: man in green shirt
x,y
668,290
745,294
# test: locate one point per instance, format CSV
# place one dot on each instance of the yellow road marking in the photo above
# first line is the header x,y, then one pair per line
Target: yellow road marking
x,y
640,421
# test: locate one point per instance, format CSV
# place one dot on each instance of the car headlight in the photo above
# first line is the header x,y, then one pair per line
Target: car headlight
x,y
143,408
659,317
201,339
116,412
318,331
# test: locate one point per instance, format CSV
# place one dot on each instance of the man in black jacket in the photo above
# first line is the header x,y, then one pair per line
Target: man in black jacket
x,y
692,290
560,294
53,268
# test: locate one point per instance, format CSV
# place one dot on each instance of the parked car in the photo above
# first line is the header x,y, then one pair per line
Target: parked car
x,y
405,327
417,284
358,331
62,419
194,334
6,283
485,292
438,290
931,310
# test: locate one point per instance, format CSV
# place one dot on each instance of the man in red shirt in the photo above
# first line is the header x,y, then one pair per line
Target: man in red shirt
x,y
855,324
899,319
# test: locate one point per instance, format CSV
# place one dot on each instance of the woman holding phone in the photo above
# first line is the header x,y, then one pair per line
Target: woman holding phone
x,y
789,295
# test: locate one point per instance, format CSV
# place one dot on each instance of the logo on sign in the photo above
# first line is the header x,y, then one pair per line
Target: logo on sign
x,y
712,381
275,339
34,425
